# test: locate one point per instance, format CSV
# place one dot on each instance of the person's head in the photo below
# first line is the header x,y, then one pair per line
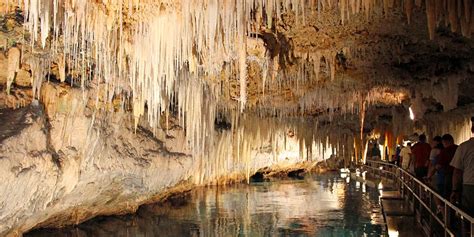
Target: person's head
x,y
437,141
447,140
422,138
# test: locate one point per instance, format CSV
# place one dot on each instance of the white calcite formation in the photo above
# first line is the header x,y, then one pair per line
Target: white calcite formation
x,y
67,163
145,48
14,55
147,95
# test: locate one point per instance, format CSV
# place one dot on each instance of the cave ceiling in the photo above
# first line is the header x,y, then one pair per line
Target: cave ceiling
x,y
316,59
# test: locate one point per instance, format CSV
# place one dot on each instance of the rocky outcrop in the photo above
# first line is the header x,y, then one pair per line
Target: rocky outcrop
x,y
66,160
63,167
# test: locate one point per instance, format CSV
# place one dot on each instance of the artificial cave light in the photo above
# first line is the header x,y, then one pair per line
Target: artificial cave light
x,y
412,115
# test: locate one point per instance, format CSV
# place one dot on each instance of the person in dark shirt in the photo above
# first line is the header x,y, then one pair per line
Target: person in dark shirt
x,y
421,153
376,152
443,163
397,156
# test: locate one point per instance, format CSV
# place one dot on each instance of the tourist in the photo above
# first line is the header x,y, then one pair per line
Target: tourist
x,y
443,163
376,155
421,154
438,182
463,163
405,155
397,156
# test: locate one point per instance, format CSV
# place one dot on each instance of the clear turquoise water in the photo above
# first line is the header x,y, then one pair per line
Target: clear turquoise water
x,y
322,205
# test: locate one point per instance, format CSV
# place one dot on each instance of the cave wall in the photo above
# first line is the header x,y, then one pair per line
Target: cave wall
x,y
62,163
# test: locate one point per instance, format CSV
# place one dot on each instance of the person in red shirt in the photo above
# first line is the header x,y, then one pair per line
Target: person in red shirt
x,y
443,163
421,155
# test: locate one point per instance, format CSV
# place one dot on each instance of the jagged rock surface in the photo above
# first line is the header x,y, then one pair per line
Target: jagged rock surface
x,y
62,163
53,175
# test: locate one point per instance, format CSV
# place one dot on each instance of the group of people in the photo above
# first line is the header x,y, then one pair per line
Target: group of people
x,y
447,167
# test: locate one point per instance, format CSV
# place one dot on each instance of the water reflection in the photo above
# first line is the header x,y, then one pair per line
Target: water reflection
x,y
324,205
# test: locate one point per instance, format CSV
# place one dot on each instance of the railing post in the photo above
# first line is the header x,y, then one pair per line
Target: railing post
x,y
445,219
419,200
463,226
430,196
472,228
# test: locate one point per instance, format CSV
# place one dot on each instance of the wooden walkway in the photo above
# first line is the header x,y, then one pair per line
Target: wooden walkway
x,y
398,213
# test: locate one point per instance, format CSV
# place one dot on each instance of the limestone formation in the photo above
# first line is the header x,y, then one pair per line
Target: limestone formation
x,y
109,104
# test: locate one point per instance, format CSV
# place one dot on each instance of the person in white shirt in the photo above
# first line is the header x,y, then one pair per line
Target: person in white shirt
x,y
463,176
405,155
438,181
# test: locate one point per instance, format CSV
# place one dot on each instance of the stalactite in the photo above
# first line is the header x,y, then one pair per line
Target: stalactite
x,y
345,99
204,35
453,16
418,107
38,73
62,67
243,75
160,64
44,22
317,65
408,4
362,118
14,58
457,123
431,15
446,92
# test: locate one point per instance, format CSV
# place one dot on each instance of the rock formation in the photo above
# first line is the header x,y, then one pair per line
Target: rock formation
x,y
110,104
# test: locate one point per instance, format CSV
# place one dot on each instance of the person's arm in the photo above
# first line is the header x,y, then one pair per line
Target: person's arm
x,y
432,170
458,165
434,157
